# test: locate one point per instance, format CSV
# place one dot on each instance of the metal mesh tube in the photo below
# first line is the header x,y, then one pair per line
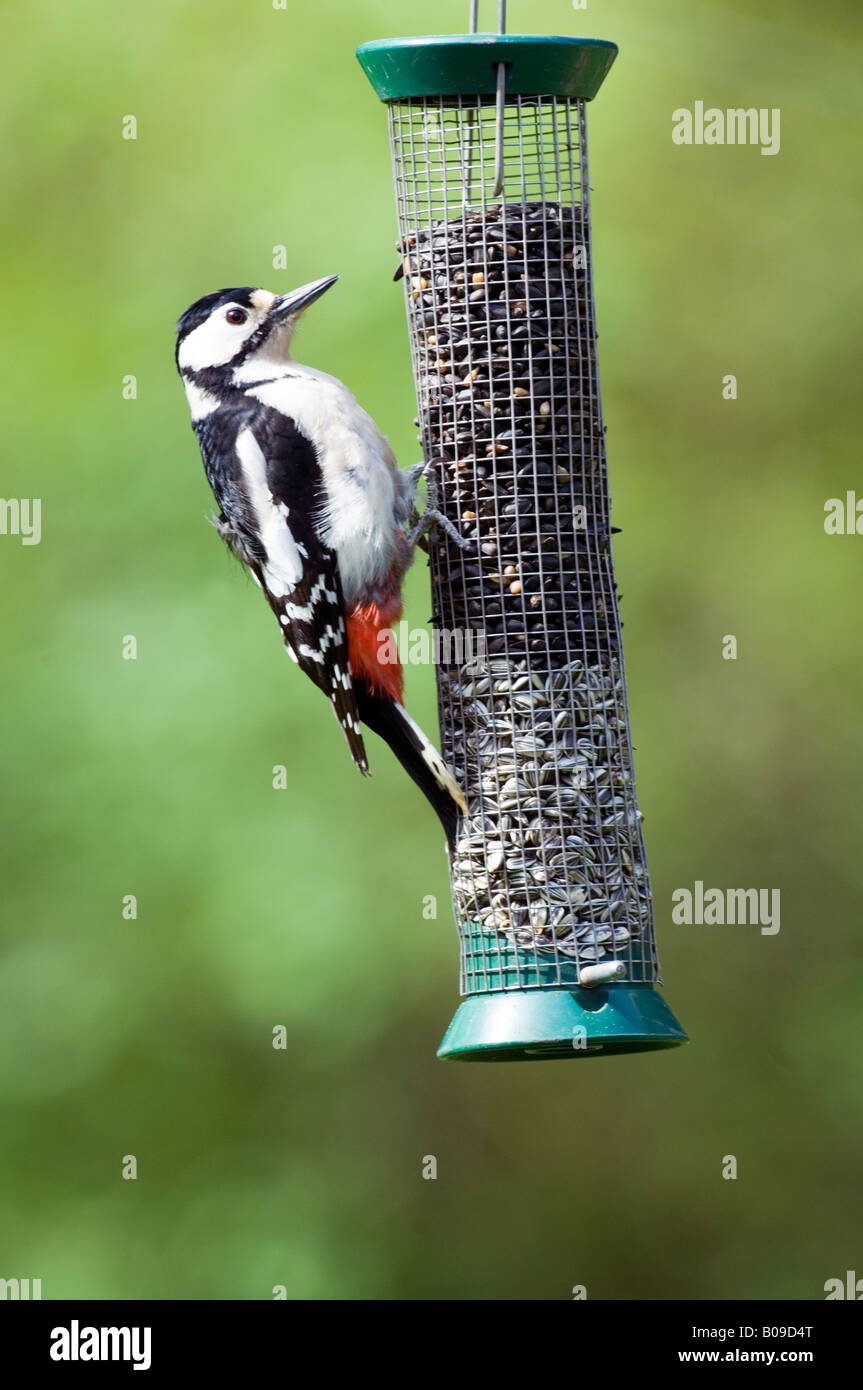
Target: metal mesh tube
x,y
549,873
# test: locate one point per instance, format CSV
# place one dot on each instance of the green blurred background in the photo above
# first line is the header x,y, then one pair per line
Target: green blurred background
x,y
303,907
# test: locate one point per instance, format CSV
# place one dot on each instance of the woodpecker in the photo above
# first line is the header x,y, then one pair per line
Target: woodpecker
x,y
311,500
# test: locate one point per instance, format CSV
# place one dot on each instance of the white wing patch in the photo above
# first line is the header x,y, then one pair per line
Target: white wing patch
x,y
284,567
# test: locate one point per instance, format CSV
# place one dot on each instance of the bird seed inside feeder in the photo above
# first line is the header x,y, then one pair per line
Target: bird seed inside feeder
x,y
551,858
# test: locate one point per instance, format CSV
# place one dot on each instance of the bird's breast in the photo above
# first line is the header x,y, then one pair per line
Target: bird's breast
x,y
359,474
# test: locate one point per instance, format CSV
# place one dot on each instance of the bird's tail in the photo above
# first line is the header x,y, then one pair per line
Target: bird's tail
x,y
417,755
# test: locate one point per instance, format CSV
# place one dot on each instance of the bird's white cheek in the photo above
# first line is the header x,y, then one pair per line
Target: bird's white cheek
x,y
212,344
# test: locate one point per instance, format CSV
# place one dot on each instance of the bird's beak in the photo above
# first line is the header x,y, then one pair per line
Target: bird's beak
x,y
289,304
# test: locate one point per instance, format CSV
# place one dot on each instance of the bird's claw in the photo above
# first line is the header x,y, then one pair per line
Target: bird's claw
x,y
432,515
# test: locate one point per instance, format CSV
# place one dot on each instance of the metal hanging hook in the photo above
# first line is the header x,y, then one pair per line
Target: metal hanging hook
x,y
497,187
474,16
501,104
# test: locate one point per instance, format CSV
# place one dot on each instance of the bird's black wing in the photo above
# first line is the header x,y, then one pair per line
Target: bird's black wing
x,y
296,571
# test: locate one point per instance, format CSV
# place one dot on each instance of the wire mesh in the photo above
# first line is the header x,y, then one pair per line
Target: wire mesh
x,y
549,872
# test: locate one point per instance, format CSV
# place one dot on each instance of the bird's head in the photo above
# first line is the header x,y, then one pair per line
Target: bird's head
x,y
239,333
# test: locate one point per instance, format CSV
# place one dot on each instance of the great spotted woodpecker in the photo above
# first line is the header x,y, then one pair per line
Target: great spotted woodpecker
x,y
312,501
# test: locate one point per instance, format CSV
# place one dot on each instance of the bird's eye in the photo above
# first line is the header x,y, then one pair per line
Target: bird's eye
x,y
236,316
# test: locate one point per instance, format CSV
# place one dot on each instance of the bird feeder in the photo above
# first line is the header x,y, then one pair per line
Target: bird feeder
x,y
549,879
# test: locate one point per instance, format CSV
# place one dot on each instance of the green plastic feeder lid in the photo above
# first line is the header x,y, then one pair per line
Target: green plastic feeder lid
x,y
453,65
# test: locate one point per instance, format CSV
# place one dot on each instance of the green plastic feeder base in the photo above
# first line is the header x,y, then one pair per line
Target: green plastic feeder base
x,y
535,1025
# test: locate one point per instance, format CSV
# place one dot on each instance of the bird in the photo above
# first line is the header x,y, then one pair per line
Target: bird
x,y
312,502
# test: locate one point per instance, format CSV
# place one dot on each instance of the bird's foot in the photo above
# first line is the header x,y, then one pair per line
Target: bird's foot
x,y
432,515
